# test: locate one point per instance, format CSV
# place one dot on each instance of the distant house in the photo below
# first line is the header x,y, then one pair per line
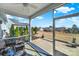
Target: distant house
x,y
61,29
41,29
20,24
48,29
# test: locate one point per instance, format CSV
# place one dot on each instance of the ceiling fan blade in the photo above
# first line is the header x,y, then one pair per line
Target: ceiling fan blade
x,y
33,6
25,4
28,4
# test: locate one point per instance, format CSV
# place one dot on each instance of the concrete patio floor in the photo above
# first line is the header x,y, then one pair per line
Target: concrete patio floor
x,y
60,46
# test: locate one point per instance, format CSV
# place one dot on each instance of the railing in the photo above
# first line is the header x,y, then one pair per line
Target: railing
x,y
16,43
13,41
15,37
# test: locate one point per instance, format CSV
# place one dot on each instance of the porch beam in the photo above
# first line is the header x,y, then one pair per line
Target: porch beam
x,y
67,16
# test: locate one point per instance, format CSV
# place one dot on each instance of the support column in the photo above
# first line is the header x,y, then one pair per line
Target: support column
x,y
53,32
1,32
30,32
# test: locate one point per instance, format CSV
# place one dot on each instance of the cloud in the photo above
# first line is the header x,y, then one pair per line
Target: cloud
x,y
65,9
68,22
55,11
75,20
39,17
9,16
60,21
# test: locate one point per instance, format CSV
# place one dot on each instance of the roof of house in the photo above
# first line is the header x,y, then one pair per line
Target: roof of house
x,y
15,22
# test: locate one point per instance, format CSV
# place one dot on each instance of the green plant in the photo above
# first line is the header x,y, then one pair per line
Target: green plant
x,y
21,30
26,30
34,30
27,38
17,33
12,33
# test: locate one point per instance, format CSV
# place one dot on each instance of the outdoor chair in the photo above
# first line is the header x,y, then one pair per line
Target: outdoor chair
x,y
73,43
10,42
19,46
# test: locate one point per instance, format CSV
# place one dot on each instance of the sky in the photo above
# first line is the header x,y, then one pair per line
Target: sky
x,y
45,20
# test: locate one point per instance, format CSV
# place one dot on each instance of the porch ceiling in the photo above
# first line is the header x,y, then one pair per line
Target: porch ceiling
x,y
27,10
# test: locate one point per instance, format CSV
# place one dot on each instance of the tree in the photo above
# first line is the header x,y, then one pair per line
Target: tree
x,y
20,30
74,32
34,30
12,33
74,29
17,32
69,30
26,30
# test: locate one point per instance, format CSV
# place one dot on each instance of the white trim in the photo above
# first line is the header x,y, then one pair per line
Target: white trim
x,y
30,32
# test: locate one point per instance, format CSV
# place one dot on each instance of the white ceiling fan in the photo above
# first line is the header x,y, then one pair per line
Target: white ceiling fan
x,y
31,5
